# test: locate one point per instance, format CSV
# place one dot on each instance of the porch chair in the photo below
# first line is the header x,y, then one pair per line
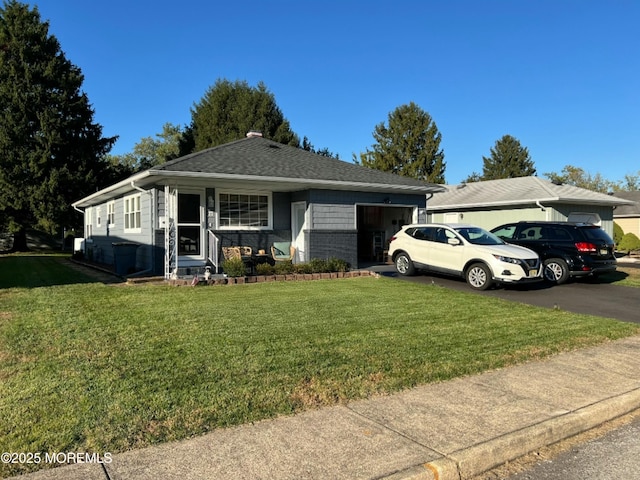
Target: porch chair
x,y
282,251
231,252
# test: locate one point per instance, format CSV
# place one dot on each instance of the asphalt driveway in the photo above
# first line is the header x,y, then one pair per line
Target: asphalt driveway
x,y
582,296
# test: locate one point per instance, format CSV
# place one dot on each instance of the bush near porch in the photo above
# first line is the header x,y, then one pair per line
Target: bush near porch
x,y
235,267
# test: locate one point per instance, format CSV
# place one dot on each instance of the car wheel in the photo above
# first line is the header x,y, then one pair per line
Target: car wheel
x,y
404,265
478,276
556,270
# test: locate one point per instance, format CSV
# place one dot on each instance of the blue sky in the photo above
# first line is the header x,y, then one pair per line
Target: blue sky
x,y
559,75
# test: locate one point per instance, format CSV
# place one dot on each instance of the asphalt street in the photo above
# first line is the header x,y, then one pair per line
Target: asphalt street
x,y
615,455
587,296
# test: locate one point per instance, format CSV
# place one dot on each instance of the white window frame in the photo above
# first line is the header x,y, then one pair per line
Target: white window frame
x,y
132,207
111,214
98,216
88,222
269,196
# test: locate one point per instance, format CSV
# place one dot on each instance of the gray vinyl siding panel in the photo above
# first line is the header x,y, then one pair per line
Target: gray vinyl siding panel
x,y
489,218
336,210
99,246
333,217
561,213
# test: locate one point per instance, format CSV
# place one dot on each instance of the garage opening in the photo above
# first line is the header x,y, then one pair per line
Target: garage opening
x,y
376,224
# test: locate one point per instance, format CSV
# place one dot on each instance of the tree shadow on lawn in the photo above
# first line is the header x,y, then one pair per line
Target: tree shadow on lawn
x,y
40,270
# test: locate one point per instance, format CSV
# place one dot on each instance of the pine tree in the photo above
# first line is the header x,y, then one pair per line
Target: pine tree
x,y
229,110
509,159
51,152
408,146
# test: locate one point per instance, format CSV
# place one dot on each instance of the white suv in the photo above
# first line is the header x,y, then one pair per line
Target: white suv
x,y
463,250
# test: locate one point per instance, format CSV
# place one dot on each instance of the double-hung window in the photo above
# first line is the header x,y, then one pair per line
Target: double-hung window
x,y
111,214
250,211
132,215
88,222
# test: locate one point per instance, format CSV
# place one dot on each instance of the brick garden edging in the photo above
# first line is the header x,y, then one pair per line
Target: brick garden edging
x,y
294,277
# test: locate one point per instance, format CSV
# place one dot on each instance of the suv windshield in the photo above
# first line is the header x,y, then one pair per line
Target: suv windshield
x,y
478,236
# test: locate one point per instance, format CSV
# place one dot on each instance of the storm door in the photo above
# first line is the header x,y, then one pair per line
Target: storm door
x,y
190,213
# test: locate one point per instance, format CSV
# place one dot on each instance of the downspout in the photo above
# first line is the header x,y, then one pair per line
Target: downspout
x,y
544,209
428,196
152,234
140,189
83,220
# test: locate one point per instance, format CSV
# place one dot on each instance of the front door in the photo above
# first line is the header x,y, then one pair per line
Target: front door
x,y
298,224
190,218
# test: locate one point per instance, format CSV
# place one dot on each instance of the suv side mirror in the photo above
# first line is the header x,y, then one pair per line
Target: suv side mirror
x,y
454,241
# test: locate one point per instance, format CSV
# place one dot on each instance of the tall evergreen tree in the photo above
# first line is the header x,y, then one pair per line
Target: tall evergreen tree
x,y
229,110
51,151
509,159
408,146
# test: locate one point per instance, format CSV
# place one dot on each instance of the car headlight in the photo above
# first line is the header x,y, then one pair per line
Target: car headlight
x,y
515,261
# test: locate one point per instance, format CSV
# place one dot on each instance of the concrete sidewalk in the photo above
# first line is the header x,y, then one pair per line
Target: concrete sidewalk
x,y
444,431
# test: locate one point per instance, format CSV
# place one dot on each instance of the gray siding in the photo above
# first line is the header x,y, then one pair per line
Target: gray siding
x,y
331,230
99,246
561,213
336,210
488,218
492,217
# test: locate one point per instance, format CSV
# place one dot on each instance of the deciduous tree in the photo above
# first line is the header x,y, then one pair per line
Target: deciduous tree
x,y
578,177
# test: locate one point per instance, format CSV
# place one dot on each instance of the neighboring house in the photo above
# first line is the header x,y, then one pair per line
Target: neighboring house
x,y
494,202
251,192
628,216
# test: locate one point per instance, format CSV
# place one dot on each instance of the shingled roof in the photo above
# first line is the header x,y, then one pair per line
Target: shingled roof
x,y
632,210
265,165
257,157
517,191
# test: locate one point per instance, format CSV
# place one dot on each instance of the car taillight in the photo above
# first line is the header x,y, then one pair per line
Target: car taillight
x,y
392,239
586,247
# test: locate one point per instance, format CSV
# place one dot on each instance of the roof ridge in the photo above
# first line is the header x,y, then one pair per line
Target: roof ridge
x,y
545,185
188,156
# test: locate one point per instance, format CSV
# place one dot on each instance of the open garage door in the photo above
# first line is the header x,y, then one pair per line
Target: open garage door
x,y
376,224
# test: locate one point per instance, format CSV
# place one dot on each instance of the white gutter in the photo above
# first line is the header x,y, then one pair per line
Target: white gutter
x,y
140,189
544,209
115,186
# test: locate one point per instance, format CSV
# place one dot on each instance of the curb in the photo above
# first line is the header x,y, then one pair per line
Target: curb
x,y
479,458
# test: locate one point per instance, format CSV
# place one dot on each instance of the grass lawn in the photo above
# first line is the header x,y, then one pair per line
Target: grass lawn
x,y
104,368
627,276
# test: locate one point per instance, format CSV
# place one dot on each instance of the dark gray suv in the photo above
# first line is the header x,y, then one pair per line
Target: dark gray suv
x,y
566,249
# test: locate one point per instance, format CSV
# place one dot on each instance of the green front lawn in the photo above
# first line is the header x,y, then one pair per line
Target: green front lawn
x,y
626,276
104,368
